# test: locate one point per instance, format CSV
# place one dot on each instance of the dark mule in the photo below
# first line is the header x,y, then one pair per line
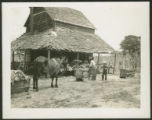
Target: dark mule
x,y
37,68
51,67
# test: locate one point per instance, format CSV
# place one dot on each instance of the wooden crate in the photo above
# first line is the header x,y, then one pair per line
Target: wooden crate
x,y
126,73
20,86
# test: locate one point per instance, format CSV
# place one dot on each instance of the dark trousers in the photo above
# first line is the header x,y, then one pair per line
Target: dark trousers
x,y
104,75
35,82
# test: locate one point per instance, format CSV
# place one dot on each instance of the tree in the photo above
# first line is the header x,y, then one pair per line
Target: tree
x,y
131,45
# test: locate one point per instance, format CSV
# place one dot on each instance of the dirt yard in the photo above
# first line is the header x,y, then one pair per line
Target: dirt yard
x,y
113,93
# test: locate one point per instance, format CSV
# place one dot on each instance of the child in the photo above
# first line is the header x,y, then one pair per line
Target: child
x,y
104,73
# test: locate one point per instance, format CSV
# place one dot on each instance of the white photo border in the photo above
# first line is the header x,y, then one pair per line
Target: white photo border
x,y
8,112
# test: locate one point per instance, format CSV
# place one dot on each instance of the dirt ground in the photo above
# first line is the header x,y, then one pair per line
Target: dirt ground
x,y
113,93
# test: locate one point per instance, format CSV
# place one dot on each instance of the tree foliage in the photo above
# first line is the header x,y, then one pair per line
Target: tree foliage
x,y
131,44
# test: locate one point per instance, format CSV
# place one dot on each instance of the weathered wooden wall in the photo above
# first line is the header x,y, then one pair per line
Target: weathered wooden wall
x,y
74,27
41,22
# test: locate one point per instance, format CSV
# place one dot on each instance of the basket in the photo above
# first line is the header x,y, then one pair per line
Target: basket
x,y
79,74
19,82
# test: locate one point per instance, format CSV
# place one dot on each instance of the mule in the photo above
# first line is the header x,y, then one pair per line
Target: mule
x,y
54,67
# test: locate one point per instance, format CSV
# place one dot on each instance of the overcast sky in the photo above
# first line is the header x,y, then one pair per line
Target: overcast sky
x,y
113,21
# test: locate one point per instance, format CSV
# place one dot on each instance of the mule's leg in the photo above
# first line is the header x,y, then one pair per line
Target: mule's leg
x,y
102,76
56,83
106,76
33,82
37,87
52,82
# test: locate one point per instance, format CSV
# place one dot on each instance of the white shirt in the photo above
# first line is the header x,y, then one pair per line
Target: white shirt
x,y
92,63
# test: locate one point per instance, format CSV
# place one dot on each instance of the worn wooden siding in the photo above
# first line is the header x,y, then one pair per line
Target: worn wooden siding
x,y
74,27
47,23
41,22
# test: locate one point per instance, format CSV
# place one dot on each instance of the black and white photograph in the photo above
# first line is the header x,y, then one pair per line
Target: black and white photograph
x,y
76,60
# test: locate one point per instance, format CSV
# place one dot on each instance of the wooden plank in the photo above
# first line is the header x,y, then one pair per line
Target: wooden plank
x,y
77,56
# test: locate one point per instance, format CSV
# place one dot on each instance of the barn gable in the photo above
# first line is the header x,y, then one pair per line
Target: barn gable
x,y
45,18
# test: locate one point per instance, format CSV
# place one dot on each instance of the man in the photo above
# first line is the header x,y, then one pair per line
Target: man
x,y
92,69
105,69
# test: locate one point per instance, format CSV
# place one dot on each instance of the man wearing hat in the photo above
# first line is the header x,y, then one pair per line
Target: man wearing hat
x,y
104,73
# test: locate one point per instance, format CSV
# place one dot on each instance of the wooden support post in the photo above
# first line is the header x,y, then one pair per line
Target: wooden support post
x,y
98,60
114,64
30,56
49,54
13,57
98,63
78,56
24,60
24,56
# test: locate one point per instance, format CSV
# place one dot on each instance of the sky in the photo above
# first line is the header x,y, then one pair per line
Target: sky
x,y
112,20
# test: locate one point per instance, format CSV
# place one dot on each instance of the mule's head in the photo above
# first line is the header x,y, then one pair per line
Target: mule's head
x,y
63,61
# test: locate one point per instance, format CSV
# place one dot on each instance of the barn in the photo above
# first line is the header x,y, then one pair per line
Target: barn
x,y
57,31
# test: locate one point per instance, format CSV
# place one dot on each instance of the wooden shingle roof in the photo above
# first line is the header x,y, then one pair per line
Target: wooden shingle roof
x,y
63,39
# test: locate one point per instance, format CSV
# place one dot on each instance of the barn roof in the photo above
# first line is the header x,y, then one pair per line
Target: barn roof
x,y
67,15
63,39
